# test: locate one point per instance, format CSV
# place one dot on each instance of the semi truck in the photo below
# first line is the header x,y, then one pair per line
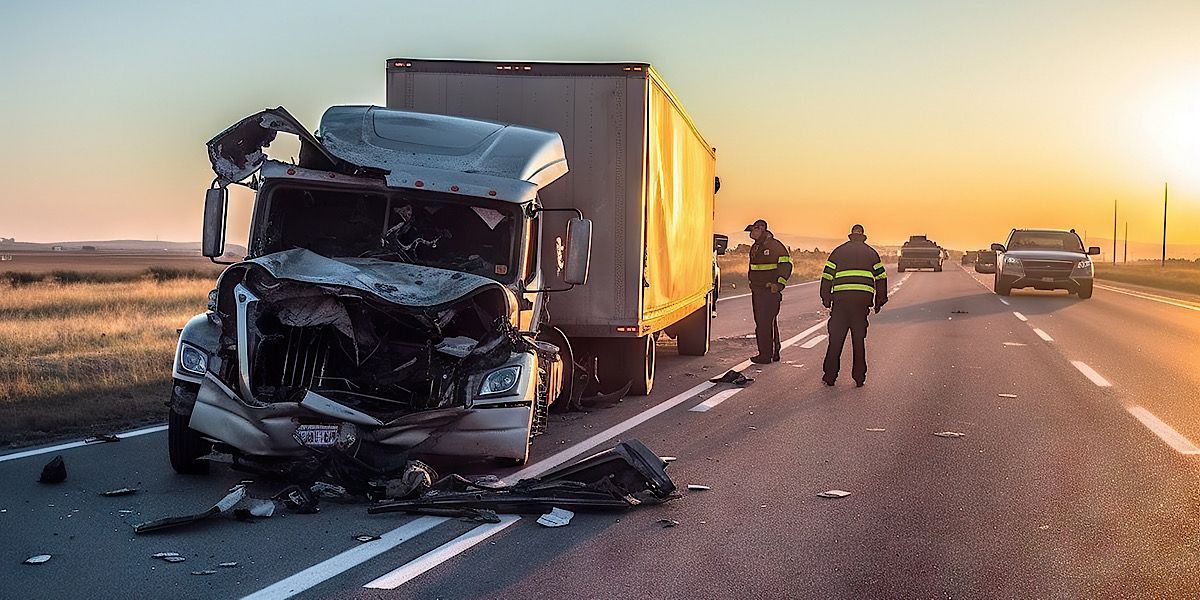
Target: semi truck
x,y
920,252
430,277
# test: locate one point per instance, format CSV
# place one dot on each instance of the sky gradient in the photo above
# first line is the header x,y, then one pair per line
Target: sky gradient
x,y
944,118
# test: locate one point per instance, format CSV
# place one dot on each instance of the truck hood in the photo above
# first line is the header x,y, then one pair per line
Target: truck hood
x,y
406,149
1046,255
401,284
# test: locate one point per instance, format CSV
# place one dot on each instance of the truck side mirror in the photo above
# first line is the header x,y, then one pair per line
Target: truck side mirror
x,y
216,205
720,244
579,251
998,247
1093,250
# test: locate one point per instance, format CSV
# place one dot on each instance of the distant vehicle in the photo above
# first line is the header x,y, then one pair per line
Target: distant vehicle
x,y
985,261
968,258
920,252
1044,259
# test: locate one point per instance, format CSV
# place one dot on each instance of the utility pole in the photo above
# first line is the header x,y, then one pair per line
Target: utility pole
x,y
1164,246
1114,231
1125,259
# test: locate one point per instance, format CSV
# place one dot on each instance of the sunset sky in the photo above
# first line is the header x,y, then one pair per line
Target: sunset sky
x,y
943,118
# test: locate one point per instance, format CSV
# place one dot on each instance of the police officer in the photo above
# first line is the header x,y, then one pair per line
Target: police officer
x,y
852,283
770,268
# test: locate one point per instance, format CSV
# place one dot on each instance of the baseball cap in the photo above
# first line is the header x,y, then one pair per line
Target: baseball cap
x,y
758,223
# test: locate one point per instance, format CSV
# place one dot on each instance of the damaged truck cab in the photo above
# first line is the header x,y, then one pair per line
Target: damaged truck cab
x,y
391,300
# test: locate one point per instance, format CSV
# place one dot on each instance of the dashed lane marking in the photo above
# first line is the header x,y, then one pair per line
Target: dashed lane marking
x,y
1165,432
813,342
1091,373
440,554
1020,316
1043,334
717,398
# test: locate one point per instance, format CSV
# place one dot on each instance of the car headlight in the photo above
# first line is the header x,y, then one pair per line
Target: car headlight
x,y
1084,264
500,381
193,360
1012,260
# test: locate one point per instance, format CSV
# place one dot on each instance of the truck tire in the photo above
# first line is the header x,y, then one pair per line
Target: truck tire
x,y
1085,291
628,360
937,269
694,331
185,445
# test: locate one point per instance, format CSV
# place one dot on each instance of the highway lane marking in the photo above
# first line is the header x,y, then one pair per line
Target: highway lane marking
x,y
69,445
1091,373
1165,432
440,554
813,342
790,285
1043,334
717,398
327,569
1151,297
1020,316
563,456
1005,302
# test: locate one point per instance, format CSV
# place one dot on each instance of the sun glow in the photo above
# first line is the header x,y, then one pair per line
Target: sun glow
x,y
1172,124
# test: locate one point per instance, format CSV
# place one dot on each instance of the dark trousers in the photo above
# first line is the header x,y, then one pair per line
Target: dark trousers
x,y
848,315
766,320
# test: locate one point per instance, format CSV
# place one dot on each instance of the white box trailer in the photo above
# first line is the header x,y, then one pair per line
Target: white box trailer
x,y
638,168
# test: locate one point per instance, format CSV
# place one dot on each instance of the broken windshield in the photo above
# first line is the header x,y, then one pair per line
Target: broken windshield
x,y
452,234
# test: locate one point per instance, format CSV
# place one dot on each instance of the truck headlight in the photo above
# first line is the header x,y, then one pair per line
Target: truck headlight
x,y
193,360
212,300
500,381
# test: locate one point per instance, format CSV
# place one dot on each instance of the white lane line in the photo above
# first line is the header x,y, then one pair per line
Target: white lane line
x,y
1043,334
790,285
1020,316
803,334
1165,432
440,554
1005,302
1152,297
717,398
724,298
1091,373
69,445
322,571
813,342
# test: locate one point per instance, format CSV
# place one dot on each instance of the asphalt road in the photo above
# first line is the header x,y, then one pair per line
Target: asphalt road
x,y
1076,477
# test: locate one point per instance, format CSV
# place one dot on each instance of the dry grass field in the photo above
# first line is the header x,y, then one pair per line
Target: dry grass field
x,y
80,358
1177,275
806,266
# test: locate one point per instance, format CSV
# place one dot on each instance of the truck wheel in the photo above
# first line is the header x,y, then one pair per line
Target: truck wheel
x,y
1085,291
628,360
185,445
937,269
695,331
900,269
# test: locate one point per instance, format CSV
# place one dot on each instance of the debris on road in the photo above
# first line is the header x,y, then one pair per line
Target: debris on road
x,y
298,500
734,377
622,477
329,491
950,434
234,496
697,488
120,492
37,560
668,459
103,438
164,555
557,517
876,429
834,494
228,565
1007,395
55,471
665,523
204,572
959,312
366,537
416,479
1013,344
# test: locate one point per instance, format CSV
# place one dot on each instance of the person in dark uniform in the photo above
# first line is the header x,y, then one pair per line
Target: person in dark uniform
x,y
852,283
770,268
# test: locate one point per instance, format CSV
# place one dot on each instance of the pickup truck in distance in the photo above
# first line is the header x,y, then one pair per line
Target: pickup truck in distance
x,y
985,261
1044,259
920,252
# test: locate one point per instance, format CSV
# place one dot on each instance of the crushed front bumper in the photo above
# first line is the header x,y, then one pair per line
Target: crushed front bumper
x,y
497,431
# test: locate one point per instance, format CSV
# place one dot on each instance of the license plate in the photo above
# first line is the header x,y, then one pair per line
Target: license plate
x,y
317,436
1048,279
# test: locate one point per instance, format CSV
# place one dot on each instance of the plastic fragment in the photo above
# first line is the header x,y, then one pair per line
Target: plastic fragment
x,y
665,523
697,487
557,517
161,555
120,492
876,429
366,537
102,438
668,459
37,560
330,491
1007,395
204,572
834,494
227,565
950,434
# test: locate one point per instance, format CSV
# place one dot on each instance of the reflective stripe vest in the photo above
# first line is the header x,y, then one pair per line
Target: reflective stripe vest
x,y
770,262
854,269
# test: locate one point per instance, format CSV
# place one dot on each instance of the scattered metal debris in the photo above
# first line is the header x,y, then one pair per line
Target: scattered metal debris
x,y
692,487
329,491
55,471
1013,344
876,429
668,459
103,438
665,523
120,492
834,494
557,517
37,560
625,476
164,555
224,505
950,434
204,572
734,377
415,480
298,500
228,565
366,537
959,312
1007,395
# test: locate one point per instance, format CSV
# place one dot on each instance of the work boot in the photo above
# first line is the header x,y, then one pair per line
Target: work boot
x,y
827,382
859,383
760,360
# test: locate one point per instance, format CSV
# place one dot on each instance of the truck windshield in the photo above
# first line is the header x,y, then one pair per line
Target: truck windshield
x,y
1045,240
423,229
